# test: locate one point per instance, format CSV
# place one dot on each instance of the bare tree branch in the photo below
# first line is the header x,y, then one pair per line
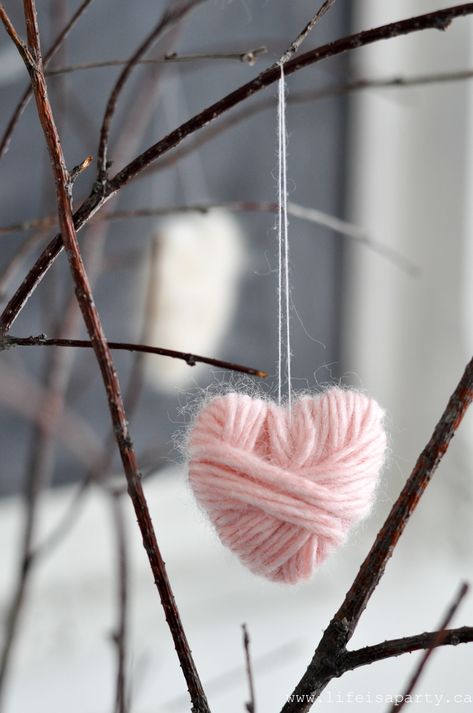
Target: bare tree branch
x,y
397,647
23,395
296,44
251,704
120,636
246,56
191,359
438,640
311,215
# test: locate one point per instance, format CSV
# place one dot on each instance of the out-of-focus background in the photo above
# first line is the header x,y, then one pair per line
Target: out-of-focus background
x,y
384,303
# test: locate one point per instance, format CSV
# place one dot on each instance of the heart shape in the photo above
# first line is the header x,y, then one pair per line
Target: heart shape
x,y
282,490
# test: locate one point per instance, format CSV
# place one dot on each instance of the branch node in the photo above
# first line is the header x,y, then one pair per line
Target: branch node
x,y
444,24
251,56
77,170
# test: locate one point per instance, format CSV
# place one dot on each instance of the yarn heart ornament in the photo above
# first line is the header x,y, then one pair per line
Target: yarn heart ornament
x,y
283,489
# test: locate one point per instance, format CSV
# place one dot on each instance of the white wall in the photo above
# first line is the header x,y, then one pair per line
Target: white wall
x,y
408,339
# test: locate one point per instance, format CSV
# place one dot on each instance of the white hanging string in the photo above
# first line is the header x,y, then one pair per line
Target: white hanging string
x,y
283,249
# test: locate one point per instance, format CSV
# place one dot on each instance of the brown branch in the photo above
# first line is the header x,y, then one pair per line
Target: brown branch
x,y
65,523
312,95
397,647
311,215
328,658
169,18
120,636
439,19
251,704
136,378
437,640
191,359
246,56
5,140
104,358
302,36
34,224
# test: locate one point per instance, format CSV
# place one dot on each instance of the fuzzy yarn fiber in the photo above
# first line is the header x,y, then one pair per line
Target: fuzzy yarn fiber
x,y
283,490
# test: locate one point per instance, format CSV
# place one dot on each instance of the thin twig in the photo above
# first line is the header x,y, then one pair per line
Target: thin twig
x,y
406,645
311,95
251,704
135,381
120,636
296,44
22,104
104,358
246,56
437,640
58,12
23,395
311,215
65,523
267,663
34,224
439,19
191,359
328,658
170,17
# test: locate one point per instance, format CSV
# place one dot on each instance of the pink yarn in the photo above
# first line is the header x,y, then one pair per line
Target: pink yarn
x,y
283,490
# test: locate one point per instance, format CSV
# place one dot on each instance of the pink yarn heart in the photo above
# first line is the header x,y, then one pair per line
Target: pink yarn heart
x,y
283,490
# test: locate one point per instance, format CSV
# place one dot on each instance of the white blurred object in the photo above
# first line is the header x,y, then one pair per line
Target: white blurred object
x,y
11,65
201,257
